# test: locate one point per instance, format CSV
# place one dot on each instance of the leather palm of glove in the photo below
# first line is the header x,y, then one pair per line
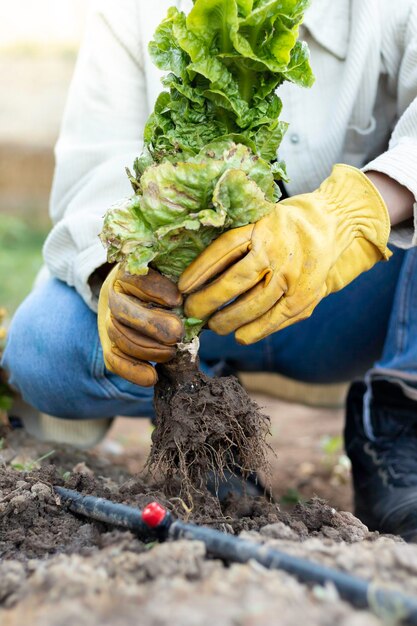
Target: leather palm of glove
x,y
275,272
132,329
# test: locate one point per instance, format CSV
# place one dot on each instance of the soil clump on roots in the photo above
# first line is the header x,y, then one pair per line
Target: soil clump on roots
x,y
204,427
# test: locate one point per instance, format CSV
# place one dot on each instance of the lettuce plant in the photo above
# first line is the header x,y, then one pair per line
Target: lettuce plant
x,y
209,163
210,157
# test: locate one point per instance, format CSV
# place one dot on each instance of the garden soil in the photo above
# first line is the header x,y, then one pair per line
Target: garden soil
x,y
57,569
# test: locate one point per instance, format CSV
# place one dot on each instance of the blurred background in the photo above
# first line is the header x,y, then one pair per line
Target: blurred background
x,y
38,48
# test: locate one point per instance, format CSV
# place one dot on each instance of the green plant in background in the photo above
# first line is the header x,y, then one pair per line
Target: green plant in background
x,y
20,259
291,497
31,464
5,398
335,460
331,446
5,395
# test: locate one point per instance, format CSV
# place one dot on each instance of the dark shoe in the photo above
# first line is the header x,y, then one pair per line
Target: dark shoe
x,y
383,452
234,484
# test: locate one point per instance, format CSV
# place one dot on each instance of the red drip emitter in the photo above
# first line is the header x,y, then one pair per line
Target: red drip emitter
x,y
153,514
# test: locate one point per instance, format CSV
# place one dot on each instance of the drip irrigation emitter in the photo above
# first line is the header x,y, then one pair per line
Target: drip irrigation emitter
x,y
155,522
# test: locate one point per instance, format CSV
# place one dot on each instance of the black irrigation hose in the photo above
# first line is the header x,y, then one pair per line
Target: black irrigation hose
x,y
111,513
357,591
156,522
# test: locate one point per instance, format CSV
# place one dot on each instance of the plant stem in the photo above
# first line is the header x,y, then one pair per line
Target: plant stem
x,y
181,370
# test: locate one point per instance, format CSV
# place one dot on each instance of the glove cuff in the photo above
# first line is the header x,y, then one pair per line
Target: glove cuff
x,y
349,192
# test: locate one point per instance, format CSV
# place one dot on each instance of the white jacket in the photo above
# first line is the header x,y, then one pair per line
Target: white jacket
x,y
362,110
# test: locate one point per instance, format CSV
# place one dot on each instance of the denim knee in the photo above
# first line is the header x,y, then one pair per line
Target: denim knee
x,y
39,355
54,359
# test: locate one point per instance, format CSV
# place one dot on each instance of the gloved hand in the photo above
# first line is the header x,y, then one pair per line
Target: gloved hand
x,y
132,329
275,272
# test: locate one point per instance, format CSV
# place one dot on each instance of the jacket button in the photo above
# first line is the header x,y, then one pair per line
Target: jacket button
x,y
295,138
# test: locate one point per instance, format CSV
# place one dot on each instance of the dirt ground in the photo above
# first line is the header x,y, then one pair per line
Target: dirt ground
x,y
57,569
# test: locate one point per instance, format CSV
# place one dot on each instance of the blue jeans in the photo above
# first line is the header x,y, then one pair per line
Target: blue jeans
x,y
54,358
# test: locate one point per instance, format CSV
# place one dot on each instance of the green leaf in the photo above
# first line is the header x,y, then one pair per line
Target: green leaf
x,y
299,70
268,139
165,51
192,321
126,233
192,327
240,199
213,21
172,192
245,7
280,171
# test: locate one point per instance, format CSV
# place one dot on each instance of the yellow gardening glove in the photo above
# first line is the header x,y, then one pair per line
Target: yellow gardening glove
x,y
133,331
275,272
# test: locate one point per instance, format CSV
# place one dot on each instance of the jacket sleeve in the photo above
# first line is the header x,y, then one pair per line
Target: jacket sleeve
x,y
400,160
101,133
